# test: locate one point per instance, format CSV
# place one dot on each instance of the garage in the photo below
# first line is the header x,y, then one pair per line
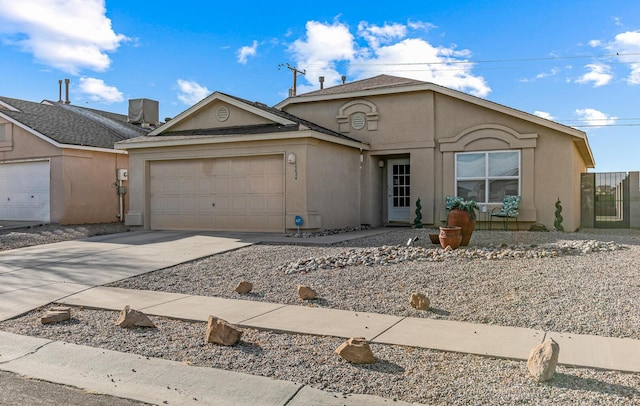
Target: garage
x,y
24,191
221,194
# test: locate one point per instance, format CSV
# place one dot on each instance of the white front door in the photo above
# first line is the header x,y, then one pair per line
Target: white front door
x,y
398,189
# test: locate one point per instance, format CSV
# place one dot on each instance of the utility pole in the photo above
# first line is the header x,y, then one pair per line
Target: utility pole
x,y
296,72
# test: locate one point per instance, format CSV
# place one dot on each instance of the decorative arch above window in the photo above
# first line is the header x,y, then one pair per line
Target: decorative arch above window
x,y
493,136
357,115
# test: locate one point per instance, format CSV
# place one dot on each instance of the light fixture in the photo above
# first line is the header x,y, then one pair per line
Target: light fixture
x,y
291,158
381,163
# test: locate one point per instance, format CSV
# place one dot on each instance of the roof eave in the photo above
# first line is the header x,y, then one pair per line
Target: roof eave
x,y
223,97
207,140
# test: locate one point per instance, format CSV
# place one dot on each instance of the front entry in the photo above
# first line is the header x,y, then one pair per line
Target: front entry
x,y
398,190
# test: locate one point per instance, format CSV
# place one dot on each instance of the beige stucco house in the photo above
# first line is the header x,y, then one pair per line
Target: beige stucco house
x,y
58,164
358,153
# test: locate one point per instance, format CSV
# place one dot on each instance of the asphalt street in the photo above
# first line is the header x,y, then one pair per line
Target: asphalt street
x,y
16,390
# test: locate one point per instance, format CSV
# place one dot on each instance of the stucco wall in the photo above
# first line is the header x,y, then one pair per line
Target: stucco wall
x,y
81,181
88,193
310,187
333,184
431,127
207,118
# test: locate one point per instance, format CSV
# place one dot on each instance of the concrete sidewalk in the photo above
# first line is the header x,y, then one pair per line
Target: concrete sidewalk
x,y
576,350
35,276
157,381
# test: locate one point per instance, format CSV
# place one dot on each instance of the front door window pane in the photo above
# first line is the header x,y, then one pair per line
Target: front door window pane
x,y
401,185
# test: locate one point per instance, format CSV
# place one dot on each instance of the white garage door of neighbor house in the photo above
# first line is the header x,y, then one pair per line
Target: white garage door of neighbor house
x,y
222,194
24,191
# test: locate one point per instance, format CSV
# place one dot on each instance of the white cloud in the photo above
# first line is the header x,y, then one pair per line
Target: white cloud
x,y
69,35
376,35
100,92
554,71
595,118
245,52
544,114
190,92
625,45
599,74
389,49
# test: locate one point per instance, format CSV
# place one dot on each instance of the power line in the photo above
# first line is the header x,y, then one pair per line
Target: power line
x,y
457,62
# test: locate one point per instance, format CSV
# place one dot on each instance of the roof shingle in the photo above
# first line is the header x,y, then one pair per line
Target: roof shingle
x,y
72,125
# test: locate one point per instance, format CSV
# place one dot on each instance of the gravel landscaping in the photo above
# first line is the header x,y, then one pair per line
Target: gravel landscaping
x,y
49,233
583,283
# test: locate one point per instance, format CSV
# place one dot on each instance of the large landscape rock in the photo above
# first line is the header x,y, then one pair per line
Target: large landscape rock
x,y
356,350
543,360
419,301
244,287
56,314
306,293
222,332
130,318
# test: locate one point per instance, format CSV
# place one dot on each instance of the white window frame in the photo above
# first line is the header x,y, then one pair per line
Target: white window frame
x,y
486,178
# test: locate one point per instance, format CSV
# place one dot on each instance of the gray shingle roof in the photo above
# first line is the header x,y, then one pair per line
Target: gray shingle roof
x,y
376,82
72,125
255,129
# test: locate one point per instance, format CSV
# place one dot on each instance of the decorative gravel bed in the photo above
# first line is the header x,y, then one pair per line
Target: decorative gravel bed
x,y
589,286
586,284
50,233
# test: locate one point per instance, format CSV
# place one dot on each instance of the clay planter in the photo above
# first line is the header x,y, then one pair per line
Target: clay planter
x,y
435,238
462,219
450,236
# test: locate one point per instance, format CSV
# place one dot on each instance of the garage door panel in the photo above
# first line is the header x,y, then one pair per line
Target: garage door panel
x,y
188,186
239,193
274,184
25,191
238,185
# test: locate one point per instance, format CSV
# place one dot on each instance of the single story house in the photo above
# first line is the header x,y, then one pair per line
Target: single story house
x,y
58,164
358,153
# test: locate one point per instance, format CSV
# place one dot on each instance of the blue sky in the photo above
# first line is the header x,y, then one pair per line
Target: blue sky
x,y
575,62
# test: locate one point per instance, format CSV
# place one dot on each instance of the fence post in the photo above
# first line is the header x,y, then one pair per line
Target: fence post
x,y
634,199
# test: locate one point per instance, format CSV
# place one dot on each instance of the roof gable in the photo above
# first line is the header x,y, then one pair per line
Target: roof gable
x,y
207,114
386,85
67,125
255,118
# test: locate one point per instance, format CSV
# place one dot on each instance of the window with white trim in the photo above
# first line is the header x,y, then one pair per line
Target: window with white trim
x,y
487,177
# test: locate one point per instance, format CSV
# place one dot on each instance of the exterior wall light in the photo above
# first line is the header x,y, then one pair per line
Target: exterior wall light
x,y
291,158
381,163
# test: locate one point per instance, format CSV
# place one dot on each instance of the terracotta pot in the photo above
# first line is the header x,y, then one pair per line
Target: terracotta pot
x,y
450,236
435,238
461,218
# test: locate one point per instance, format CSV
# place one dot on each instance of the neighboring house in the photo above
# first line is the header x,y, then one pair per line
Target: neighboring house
x,y
58,164
358,153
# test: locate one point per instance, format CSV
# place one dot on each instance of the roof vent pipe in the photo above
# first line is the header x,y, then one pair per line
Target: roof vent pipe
x,y
66,84
60,91
344,79
321,80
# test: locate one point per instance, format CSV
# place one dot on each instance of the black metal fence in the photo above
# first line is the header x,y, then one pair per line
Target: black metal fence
x,y
605,200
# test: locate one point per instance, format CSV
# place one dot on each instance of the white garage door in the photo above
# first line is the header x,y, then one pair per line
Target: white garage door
x,y
225,194
24,191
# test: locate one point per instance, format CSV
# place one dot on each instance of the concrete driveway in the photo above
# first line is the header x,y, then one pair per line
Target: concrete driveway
x,y
36,276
